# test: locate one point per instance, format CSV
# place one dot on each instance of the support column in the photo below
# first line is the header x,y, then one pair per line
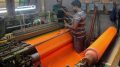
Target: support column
x,y
43,5
10,5
2,27
38,6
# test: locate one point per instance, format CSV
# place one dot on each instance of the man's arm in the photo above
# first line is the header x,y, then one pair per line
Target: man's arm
x,y
65,10
73,26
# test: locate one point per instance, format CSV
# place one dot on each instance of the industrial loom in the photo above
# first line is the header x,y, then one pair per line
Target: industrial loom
x,y
51,45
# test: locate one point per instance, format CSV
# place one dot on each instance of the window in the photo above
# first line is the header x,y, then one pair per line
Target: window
x,y
25,6
2,7
2,4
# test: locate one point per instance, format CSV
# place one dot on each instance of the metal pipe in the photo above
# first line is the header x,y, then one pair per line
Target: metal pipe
x,y
35,57
43,5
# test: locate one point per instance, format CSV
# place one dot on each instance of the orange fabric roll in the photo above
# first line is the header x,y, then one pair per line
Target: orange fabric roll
x,y
102,43
62,57
52,45
53,41
58,51
42,38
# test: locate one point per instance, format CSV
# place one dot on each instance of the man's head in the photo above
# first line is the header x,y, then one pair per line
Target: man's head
x,y
76,8
76,5
59,2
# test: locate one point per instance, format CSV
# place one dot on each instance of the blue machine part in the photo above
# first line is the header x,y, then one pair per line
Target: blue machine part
x,y
83,6
91,6
109,6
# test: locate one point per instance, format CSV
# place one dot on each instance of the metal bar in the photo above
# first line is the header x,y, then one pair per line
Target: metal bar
x,y
17,26
36,28
28,34
43,5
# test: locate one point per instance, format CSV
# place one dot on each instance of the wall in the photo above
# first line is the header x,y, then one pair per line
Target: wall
x,y
2,3
67,3
50,3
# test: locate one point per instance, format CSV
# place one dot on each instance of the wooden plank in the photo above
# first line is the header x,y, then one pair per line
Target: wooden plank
x,y
114,56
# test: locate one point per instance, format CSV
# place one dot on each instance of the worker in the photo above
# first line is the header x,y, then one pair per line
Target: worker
x,y
113,15
58,9
78,28
118,21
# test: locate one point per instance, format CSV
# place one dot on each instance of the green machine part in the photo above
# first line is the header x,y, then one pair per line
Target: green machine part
x,y
2,28
23,2
56,7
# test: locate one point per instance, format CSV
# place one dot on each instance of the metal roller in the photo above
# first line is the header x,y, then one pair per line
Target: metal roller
x,y
35,57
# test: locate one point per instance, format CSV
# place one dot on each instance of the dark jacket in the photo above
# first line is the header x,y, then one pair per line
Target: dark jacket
x,y
119,17
113,15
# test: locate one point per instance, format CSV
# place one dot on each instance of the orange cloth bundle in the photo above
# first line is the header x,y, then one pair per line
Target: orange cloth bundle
x,y
98,48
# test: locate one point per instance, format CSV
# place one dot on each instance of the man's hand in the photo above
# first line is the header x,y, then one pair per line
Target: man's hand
x,y
65,23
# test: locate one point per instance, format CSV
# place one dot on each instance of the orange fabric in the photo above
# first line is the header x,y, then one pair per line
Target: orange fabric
x,y
62,57
50,46
44,37
101,44
57,52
